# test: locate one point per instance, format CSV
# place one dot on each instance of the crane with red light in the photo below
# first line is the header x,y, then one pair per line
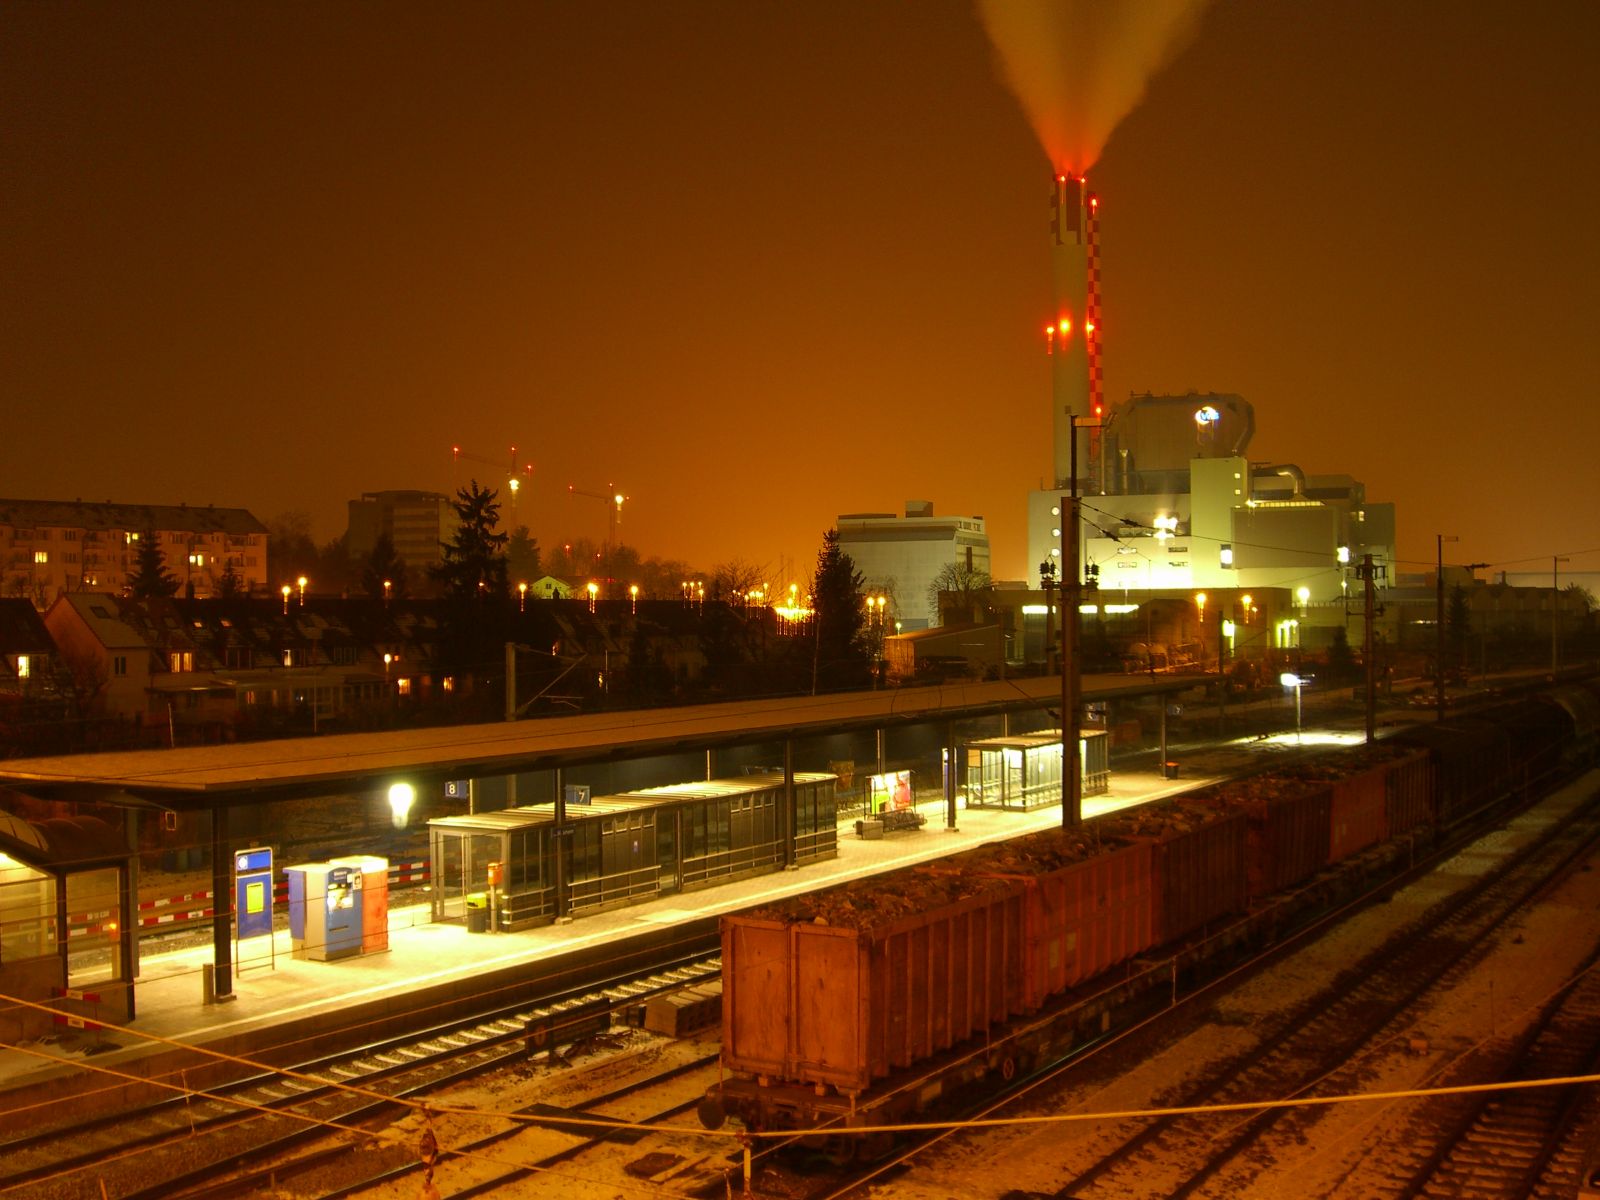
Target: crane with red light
x,y
613,500
515,477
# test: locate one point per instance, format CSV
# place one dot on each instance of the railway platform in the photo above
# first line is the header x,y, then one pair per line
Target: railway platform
x,y
281,1004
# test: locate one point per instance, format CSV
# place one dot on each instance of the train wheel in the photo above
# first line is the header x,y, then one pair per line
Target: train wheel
x,y
710,1111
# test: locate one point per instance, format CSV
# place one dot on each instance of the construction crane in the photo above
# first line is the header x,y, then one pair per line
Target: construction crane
x,y
514,476
613,500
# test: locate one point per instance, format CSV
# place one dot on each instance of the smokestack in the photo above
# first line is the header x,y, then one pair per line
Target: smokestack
x,y
1071,333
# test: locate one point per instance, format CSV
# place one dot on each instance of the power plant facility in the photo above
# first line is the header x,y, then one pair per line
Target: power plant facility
x,y
1169,499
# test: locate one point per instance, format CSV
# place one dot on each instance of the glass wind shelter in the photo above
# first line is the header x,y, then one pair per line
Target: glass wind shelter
x,y
1024,772
623,848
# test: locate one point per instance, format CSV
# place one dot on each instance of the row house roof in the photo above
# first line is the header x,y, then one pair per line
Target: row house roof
x,y
79,514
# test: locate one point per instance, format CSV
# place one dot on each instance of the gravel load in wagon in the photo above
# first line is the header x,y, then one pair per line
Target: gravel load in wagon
x,y
1289,825
1199,863
842,986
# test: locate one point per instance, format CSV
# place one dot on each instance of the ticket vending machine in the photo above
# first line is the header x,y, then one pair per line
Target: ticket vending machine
x,y
324,910
374,898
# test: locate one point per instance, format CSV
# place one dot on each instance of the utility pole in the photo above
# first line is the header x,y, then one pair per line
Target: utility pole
x,y
1366,572
1438,662
1555,611
1222,675
1071,648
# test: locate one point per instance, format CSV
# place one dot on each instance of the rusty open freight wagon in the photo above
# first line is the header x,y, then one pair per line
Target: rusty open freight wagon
x,y
842,1005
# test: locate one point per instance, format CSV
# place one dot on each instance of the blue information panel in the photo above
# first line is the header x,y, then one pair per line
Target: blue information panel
x,y
252,892
577,793
457,789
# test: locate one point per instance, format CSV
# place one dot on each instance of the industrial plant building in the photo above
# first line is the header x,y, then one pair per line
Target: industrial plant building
x,y
1170,501
901,558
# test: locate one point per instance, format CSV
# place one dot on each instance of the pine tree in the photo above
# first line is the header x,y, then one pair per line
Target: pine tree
x,y
522,555
474,565
230,584
841,658
150,579
384,566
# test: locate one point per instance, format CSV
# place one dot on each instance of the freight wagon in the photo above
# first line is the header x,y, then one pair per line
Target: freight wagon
x,y
871,1002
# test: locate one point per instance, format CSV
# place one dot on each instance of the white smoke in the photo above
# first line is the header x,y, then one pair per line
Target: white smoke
x,y
1080,66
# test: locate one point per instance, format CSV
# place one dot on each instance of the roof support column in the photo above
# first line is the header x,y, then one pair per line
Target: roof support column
x,y
560,845
950,776
788,821
221,903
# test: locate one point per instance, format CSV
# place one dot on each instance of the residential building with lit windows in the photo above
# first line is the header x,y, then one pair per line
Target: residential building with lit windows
x,y
900,557
52,547
28,660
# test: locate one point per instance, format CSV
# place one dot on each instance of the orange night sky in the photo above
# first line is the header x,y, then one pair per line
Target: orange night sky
x,y
763,264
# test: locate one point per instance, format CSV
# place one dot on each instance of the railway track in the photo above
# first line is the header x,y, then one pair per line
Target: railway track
x,y
1313,1048
1508,1145
162,1149
1302,1056
536,1140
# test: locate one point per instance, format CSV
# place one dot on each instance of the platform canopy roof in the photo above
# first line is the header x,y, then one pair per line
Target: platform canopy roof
x,y
315,765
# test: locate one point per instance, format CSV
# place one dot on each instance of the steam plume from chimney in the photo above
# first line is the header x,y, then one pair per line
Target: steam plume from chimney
x,y
1080,66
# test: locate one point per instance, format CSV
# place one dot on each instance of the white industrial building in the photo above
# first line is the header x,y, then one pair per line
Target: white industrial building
x,y
1168,498
1171,502
900,557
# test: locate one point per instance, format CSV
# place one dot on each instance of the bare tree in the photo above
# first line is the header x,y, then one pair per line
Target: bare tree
x,y
962,582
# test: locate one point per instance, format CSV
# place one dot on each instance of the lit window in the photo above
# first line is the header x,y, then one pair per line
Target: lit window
x,y
403,686
448,683
41,556
24,667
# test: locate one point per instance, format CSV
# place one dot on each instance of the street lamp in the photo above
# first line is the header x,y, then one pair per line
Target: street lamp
x,y
286,589
388,586
1289,679
522,597
633,596
594,592
302,582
